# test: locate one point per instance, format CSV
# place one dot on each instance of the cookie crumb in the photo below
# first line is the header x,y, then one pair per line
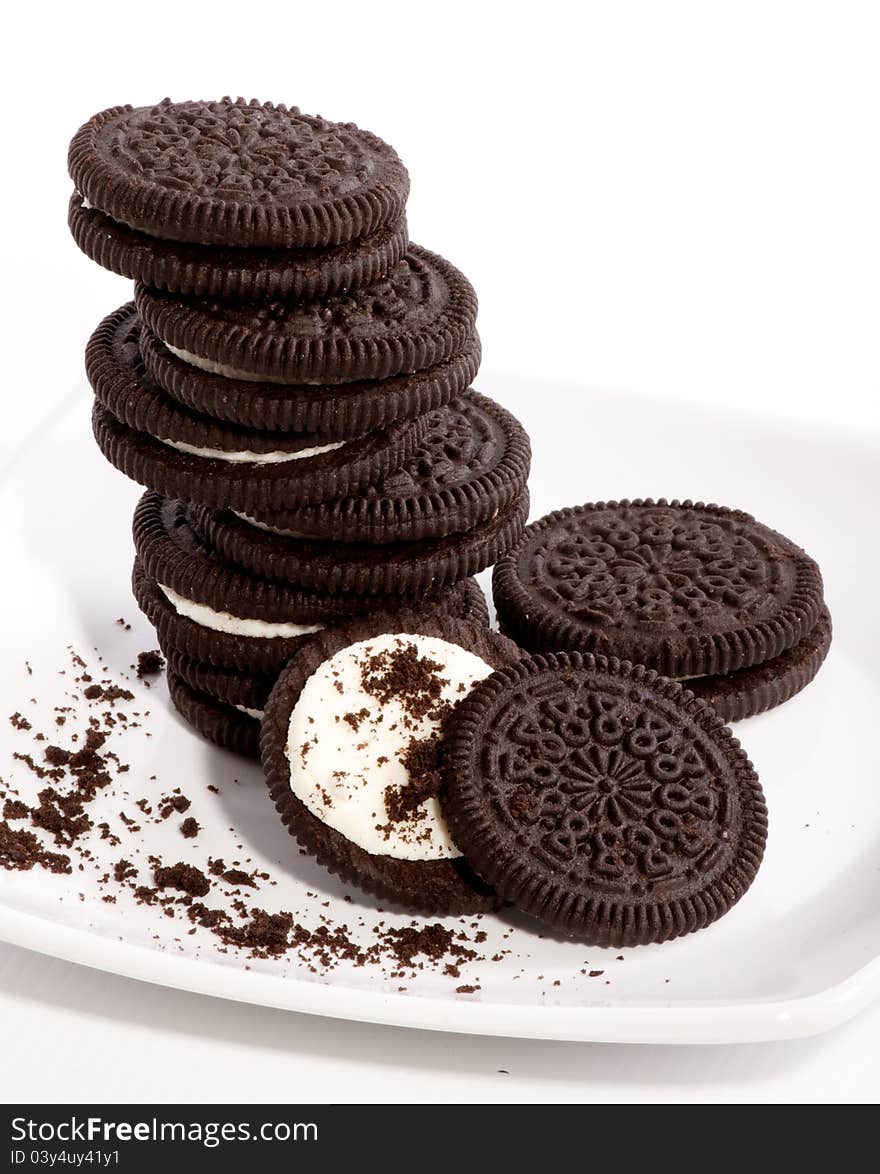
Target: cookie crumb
x,y
150,663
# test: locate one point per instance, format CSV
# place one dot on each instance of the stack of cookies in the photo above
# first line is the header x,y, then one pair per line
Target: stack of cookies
x,y
291,384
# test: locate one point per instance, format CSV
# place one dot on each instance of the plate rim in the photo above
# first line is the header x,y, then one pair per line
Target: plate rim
x,y
698,1022
739,1021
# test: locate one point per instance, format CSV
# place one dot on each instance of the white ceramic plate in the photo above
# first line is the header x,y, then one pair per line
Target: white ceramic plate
x,y
799,954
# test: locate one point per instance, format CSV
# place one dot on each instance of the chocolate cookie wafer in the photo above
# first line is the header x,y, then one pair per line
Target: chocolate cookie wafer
x,y
747,692
237,173
225,725
421,314
350,745
606,801
229,272
471,466
161,444
402,568
247,645
342,410
246,692
688,589
212,612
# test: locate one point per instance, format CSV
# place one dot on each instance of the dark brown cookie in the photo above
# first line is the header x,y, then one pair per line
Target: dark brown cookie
x,y
116,373
237,173
298,468
211,612
393,568
393,691
606,801
420,314
238,650
471,465
171,552
348,409
215,720
228,272
247,692
687,589
746,692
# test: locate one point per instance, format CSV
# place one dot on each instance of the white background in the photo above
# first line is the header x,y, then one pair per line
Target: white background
x,y
672,200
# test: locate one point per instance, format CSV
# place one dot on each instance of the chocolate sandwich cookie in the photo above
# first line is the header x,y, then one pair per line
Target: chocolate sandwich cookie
x,y
116,372
471,466
688,589
421,314
213,612
253,647
605,800
226,725
351,748
401,568
747,692
246,692
237,173
161,444
340,411
229,272
249,692
217,636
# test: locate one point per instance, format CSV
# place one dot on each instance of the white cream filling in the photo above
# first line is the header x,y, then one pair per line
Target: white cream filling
x,y
251,458
255,713
344,747
216,368
271,529
85,204
224,621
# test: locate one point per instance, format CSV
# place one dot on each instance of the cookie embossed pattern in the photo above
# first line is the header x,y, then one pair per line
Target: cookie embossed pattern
x,y
694,591
603,799
240,173
420,315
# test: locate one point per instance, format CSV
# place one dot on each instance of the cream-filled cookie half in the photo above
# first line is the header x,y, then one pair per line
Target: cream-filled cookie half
x,y
363,738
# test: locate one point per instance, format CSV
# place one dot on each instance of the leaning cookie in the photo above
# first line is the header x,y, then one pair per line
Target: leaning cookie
x,y
164,446
246,174
229,272
421,314
350,746
213,612
606,801
225,725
